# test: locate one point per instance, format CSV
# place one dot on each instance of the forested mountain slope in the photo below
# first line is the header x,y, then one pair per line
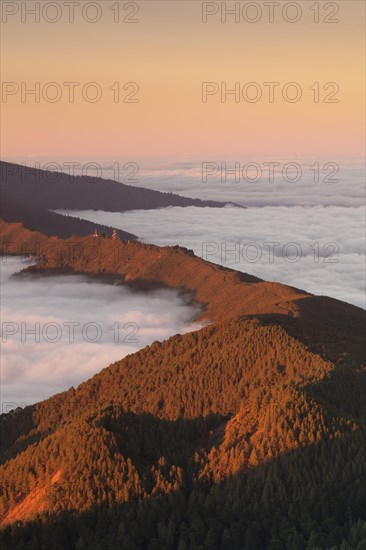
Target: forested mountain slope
x,y
247,434
214,437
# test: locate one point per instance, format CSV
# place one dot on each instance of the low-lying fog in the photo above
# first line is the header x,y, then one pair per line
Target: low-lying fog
x,y
58,331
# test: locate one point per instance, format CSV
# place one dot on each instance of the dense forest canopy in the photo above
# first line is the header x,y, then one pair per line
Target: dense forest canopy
x,y
248,434
234,436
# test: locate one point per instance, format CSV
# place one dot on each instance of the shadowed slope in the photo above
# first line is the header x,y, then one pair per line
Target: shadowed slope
x,y
57,190
50,223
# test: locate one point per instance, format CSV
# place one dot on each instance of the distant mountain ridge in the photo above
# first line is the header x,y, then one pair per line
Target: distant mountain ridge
x,y
57,190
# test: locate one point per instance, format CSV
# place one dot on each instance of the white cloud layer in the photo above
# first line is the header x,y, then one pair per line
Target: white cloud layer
x,y
32,370
341,182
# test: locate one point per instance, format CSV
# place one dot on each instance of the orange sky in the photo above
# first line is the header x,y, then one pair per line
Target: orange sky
x,y
169,53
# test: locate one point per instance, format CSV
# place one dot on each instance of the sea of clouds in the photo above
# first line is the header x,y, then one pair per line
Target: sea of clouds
x,y
37,363
341,182
307,234
335,181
